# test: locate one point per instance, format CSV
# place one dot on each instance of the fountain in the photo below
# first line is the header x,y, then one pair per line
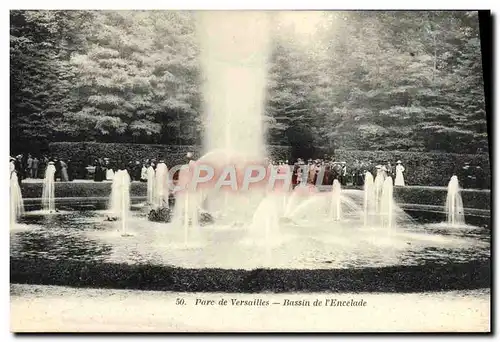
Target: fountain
x,y
120,199
234,53
187,207
335,209
387,204
369,197
16,200
378,187
454,205
150,185
161,186
48,190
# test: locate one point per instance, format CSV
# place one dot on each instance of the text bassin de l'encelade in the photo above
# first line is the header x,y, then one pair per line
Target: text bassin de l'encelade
x,y
288,302
327,302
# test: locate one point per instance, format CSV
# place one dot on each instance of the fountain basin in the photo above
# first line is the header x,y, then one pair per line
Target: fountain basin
x,y
81,249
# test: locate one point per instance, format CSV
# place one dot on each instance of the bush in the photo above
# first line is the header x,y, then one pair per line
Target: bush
x,y
87,152
422,168
160,215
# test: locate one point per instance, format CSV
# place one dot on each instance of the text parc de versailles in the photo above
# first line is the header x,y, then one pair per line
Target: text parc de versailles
x,y
285,302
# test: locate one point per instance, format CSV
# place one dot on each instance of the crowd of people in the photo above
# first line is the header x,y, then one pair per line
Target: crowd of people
x,y
327,168
33,167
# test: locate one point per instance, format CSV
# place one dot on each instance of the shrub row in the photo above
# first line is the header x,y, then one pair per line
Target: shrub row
x,y
87,152
78,189
422,168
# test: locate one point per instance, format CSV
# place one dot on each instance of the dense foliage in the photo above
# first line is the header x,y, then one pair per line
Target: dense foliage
x,y
364,80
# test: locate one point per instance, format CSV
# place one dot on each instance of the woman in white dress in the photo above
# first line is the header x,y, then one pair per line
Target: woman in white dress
x,y
400,180
144,173
64,171
110,173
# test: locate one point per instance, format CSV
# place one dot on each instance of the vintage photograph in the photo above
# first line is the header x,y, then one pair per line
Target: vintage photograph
x,y
249,171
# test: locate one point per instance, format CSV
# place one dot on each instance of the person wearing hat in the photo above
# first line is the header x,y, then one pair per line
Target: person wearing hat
x,y
399,181
12,166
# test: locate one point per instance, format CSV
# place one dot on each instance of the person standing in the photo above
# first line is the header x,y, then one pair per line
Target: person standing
x,y
29,166
311,172
137,171
343,178
19,168
64,171
70,168
34,168
400,180
144,172
57,174
12,166
98,173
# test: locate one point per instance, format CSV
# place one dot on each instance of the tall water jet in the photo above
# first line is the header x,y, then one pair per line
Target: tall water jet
x,y
161,186
387,204
335,207
16,200
454,205
150,185
48,189
234,53
120,198
369,197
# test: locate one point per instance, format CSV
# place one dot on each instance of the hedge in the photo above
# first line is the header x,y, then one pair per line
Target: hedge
x,y
476,199
87,152
422,168
80,189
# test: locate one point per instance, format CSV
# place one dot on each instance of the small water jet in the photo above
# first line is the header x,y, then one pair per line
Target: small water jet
x,y
150,185
187,206
48,190
387,204
378,187
161,186
335,208
264,229
16,200
454,205
369,197
120,199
